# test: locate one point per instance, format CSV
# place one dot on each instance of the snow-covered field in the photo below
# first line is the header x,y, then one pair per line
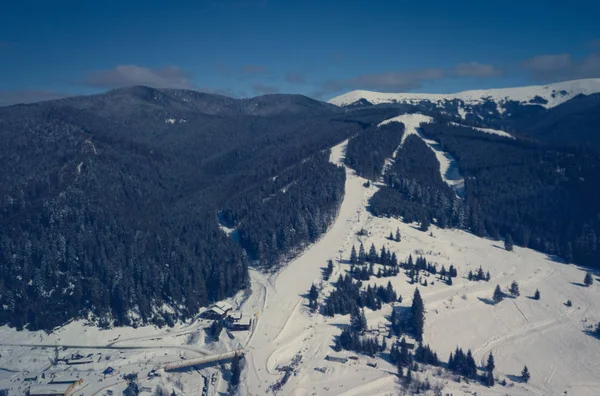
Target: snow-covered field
x,y
546,335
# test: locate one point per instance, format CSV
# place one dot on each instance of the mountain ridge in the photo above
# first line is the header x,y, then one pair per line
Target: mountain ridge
x,y
548,95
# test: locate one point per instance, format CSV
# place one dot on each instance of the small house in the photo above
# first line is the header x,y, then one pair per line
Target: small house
x,y
336,359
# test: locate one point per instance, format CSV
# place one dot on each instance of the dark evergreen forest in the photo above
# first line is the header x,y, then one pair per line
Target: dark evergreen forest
x,y
542,195
367,152
106,207
281,215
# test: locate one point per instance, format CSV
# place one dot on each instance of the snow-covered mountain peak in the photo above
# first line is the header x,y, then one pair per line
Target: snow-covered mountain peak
x,y
548,95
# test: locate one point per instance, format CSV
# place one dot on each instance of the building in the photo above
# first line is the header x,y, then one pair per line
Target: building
x,y
80,361
66,379
218,311
245,323
336,359
52,389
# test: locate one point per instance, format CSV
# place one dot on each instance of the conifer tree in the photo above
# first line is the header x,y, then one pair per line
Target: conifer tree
x,y
329,269
236,371
470,276
353,258
588,280
361,254
488,276
358,321
514,289
418,315
498,295
372,257
398,238
536,295
508,243
391,237
525,374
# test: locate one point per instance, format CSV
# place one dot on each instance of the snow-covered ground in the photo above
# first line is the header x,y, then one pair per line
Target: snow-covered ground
x,y
487,130
448,166
554,94
546,335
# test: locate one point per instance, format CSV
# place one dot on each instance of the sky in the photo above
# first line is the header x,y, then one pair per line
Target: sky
x,y
242,48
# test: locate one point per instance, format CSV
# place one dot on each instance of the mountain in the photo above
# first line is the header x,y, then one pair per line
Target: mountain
x,y
546,96
565,112
109,202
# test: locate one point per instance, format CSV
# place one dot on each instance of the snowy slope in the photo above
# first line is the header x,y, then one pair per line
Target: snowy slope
x,y
487,130
546,335
448,166
554,94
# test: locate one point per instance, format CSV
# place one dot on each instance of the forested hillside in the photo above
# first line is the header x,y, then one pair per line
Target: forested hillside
x,y
366,153
109,202
543,196
279,216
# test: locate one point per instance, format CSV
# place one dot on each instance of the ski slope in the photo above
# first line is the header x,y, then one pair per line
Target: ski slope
x,y
554,94
546,335
448,167
486,130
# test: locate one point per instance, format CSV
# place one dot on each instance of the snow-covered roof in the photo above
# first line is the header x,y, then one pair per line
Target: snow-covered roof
x,y
49,389
554,94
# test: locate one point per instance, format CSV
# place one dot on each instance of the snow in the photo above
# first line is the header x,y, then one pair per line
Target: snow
x,y
546,335
486,130
550,92
448,167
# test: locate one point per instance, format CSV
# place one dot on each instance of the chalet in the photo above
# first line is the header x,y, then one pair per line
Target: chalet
x,y
217,311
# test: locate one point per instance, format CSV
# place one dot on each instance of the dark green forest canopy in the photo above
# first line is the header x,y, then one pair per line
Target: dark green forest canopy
x,y
108,203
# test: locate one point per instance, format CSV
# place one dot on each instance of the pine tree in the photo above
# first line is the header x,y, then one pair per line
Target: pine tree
x,y
489,378
398,238
488,276
353,258
361,254
391,237
514,289
358,321
313,297
491,365
588,280
498,295
525,374
329,269
470,276
536,295
236,371
418,315
372,257
480,274
508,243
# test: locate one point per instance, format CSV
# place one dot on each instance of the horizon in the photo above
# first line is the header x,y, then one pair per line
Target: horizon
x,y
246,48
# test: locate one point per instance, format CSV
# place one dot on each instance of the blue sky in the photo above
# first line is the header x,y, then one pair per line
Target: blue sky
x,y
322,48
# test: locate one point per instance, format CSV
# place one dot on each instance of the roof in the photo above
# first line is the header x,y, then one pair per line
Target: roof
x,y
64,379
235,315
221,308
46,389
244,321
